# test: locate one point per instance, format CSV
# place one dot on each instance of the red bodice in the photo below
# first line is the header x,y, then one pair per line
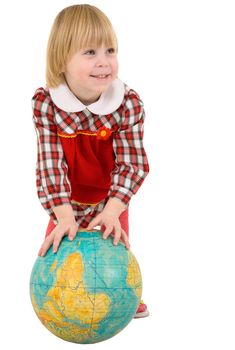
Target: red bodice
x,y
90,159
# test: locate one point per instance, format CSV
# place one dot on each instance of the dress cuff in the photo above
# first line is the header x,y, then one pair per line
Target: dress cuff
x,y
121,193
54,200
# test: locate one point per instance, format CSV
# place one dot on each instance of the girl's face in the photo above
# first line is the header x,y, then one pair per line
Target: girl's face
x,y
90,72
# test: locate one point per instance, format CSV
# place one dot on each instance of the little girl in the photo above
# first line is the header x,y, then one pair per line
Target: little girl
x,y
89,127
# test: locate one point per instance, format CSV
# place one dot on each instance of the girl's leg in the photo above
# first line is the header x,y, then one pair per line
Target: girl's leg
x,y
50,227
124,221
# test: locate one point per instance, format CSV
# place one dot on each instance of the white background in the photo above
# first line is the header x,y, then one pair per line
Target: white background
x,y
179,56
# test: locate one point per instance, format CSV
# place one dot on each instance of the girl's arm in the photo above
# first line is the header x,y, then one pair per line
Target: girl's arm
x,y
132,165
114,206
53,186
63,211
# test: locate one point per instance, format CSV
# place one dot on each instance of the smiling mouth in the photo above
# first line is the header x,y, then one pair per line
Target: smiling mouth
x,y
100,76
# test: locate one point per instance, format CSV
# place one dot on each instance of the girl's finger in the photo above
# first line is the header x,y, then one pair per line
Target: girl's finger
x,y
125,239
40,252
57,241
117,236
107,231
94,222
72,233
46,245
44,248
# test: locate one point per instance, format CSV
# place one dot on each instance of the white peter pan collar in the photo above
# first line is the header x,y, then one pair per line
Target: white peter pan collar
x,y
108,102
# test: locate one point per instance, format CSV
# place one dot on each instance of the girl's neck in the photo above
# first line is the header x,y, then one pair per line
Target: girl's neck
x,y
84,98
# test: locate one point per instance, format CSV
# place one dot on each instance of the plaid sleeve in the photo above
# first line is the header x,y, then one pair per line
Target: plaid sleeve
x,y
53,186
131,160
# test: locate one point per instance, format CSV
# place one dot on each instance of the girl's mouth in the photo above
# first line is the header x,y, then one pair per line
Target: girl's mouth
x,y
100,76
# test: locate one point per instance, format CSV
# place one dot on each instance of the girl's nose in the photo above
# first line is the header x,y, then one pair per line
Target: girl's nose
x,y
101,64
102,61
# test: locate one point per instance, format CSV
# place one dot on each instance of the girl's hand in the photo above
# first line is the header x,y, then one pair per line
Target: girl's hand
x,y
65,226
112,225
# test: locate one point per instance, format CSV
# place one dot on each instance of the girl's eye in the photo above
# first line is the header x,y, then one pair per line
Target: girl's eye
x,y
90,52
111,50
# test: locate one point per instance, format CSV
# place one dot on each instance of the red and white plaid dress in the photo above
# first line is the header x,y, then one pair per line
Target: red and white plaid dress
x,y
87,154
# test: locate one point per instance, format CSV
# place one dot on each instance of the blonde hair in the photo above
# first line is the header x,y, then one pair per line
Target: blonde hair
x,y
74,28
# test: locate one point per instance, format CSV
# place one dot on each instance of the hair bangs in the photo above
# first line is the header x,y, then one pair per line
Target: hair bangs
x,y
93,31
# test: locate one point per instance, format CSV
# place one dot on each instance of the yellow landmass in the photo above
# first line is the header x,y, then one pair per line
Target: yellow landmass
x,y
134,275
53,266
69,299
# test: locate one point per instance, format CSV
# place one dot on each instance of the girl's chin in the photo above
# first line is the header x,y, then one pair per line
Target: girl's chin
x,y
101,87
